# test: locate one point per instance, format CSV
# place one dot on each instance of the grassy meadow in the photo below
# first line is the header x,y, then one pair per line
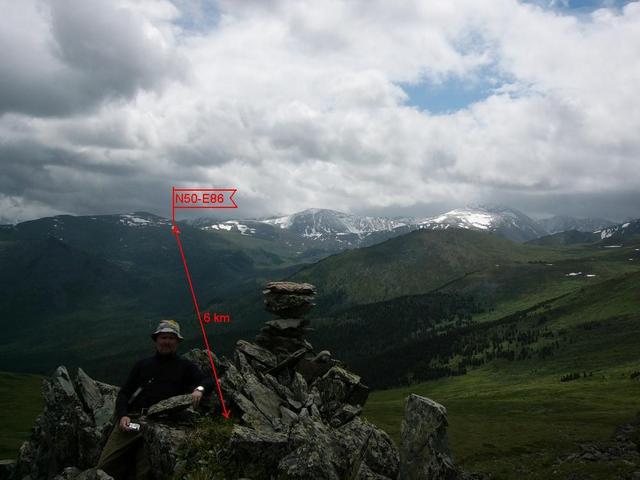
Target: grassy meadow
x,y
20,403
514,419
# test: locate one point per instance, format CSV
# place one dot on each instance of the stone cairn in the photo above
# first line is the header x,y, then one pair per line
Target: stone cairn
x,y
289,301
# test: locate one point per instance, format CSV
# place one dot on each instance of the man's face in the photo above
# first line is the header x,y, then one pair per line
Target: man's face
x,y
166,343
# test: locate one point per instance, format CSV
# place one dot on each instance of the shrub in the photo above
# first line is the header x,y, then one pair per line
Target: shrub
x,y
203,454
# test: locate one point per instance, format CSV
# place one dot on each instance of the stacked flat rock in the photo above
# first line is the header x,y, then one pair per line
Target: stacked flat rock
x,y
289,301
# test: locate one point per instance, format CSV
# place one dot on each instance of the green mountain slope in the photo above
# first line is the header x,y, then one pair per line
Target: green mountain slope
x,y
467,321
413,264
514,418
88,290
570,237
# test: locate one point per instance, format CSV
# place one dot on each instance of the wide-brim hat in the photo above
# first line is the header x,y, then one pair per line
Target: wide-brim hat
x,y
167,326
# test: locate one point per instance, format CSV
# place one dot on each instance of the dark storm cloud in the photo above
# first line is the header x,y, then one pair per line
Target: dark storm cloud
x,y
70,181
616,206
67,56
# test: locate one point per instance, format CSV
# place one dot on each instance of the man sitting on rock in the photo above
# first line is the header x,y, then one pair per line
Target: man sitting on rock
x,y
151,380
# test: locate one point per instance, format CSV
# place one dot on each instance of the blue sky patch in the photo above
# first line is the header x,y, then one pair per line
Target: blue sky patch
x,y
579,6
447,97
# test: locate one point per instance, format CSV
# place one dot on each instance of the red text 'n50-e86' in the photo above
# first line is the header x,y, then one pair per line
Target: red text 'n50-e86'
x,y
199,198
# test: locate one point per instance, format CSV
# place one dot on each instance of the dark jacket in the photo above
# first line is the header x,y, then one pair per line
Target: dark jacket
x,y
161,377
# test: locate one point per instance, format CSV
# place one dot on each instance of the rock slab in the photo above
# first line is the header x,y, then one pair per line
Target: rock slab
x,y
424,447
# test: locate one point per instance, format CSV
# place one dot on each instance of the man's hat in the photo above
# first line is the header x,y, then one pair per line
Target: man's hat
x,y
167,326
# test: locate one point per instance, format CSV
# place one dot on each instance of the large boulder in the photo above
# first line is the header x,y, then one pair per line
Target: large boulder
x,y
424,447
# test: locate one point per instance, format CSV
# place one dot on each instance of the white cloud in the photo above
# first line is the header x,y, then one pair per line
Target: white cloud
x,y
298,104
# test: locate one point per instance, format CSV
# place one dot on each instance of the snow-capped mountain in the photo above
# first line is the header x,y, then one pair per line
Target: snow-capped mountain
x,y
328,230
317,222
621,231
507,222
563,223
337,230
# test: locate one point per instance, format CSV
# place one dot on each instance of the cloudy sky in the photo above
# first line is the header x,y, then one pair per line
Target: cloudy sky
x,y
365,106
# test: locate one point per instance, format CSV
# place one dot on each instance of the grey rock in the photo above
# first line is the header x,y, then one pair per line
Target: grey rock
x,y
74,473
321,452
337,387
290,287
345,414
264,398
200,358
287,416
242,363
93,474
288,305
323,357
297,406
256,453
69,473
161,443
88,391
282,390
312,455
7,468
170,406
424,449
380,454
281,344
289,361
262,355
299,388
250,414
232,379
99,400
282,324
311,369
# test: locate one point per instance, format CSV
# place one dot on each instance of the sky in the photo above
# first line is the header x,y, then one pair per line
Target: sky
x,y
364,106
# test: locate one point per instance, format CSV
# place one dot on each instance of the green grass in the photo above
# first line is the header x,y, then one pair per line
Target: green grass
x,y
513,419
502,418
20,403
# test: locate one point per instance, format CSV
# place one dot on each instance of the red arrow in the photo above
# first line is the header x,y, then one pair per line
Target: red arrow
x,y
176,231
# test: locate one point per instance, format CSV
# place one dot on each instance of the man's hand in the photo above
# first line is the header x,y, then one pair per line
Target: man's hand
x,y
124,423
196,396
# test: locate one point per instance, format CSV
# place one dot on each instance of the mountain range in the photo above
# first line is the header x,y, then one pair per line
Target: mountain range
x,y
85,290
331,230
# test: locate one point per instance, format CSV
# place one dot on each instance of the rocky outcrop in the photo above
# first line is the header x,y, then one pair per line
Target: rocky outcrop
x,y
294,428
296,414
298,410
72,428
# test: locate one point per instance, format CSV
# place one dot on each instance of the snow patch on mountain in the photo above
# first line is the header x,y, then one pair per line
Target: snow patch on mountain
x,y
133,221
464,218
231,225
508,222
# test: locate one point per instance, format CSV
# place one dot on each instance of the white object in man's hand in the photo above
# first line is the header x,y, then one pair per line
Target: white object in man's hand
x,y
124,423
